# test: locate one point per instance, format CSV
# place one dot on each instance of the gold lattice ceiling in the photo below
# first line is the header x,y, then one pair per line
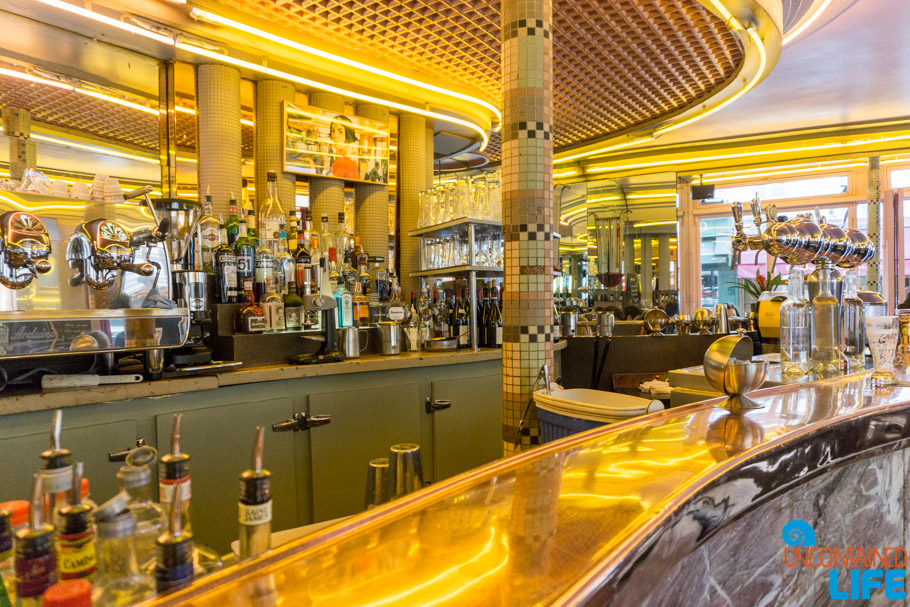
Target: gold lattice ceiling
x,y
617,63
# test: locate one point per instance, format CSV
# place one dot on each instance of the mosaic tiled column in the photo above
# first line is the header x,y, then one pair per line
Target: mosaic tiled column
x,y
371,201
17,125
269,141
327,195
874,280
218,133
647,271
412,174
527,190
431,167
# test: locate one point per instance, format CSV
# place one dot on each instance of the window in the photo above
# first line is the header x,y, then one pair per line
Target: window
x,y
900,178
718,279
797,188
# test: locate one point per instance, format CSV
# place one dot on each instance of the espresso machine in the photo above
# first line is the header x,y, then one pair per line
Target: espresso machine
x,y
78,284
325,303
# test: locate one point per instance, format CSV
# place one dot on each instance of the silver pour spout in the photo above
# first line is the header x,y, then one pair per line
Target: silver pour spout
x,y
37,507
75,496
258,447
175,434
56,430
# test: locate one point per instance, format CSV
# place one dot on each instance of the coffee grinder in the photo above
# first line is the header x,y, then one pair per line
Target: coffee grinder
x,y
188,284
325,303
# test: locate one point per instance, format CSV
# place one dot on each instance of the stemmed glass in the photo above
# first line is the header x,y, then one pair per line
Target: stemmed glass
x,y
882,333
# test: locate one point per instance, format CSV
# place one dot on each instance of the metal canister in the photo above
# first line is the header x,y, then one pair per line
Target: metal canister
x,y
568,322
605,323
721,323
390,337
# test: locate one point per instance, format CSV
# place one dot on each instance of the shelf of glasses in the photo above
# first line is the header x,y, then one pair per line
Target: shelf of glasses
x,y
460,227
456,270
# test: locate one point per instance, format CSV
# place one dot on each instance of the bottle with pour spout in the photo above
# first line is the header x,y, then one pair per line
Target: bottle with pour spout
x,y
174,476
75,534
135,480
56,471
36,559
255,504
175,551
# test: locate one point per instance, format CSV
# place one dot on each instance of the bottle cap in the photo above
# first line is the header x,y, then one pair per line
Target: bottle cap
x,y
69,593
272,176
113,507
18,510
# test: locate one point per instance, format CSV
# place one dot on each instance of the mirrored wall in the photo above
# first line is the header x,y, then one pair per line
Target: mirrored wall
x,y
619,242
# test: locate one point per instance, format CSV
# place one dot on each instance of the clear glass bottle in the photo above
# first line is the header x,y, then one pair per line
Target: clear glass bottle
x,y
826,357
294,318
7,571
285,264
795,327
272,305
208,232
119,580
853,328
271,215
361,306
136,482
232,225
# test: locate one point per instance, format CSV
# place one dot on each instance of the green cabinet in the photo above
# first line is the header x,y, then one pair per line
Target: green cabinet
x,y
365,423
469,433
220,442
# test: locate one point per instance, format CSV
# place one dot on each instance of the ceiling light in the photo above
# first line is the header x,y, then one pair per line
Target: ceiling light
x,y
325,87
246,122
807,148
30,78
792,35
91,148
812,169
568,173
609,148
133,29
118,101
648,224
204,15
603,199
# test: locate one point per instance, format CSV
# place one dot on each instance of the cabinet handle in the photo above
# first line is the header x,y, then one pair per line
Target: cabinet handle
x,y
436,405
301,421
120,454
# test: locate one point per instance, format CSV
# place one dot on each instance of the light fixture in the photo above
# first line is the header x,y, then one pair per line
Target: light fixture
x,y
118,101
648,224
792,35
609,148
91,148
210,17
568,173
807,148
812,169
39,80
200,49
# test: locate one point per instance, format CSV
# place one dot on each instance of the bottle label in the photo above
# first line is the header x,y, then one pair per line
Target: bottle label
x,y
229,275
258,514
269,228
293,317
166,488
275,312
264,269
244,264
463,335
256,324
347,311
76,555
34,576
498,336
396,313
209,240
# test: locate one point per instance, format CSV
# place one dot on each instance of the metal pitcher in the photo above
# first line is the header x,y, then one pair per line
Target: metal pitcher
x,y
390,336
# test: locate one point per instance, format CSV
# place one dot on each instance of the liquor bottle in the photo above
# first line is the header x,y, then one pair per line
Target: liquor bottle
x,y
425,316
307,225
345,304
293,225
249,318
56,471
463,322
481,328
441,315
826,358
255,504
361,306
272,306
303,263
7,568
272,215
853,330
484,321
245,256
36,560
120,580
207,232
232,225
75,540
494,322
285,264
246,205
293,309
360,257
397,310
325,237
341,235
174,486
251,232
175,548
265,270
135,480
332,266
225,270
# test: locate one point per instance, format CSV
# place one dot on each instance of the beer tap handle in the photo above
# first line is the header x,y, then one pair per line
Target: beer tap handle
x,y
143,191
756,213
734,258
737,210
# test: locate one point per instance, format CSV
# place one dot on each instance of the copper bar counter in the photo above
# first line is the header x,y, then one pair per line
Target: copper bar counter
x,y
682,507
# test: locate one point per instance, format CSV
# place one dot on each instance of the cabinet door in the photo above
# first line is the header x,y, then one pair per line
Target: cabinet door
x,y
89,444
365,423
220,443
469,433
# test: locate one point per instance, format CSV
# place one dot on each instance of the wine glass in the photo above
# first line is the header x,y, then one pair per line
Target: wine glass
x,y
882,333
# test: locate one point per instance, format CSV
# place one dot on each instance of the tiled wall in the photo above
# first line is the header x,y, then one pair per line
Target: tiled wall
x,y
874,195
269,142
371,201
527,190
412,174
327,195
218,134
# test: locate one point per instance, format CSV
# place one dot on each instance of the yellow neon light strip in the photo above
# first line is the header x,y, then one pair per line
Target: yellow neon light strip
x,y
133,29
204,15
808,148
118,101
565,173
792,35
814,169
30,78
91,148
648,224
609,148
333,89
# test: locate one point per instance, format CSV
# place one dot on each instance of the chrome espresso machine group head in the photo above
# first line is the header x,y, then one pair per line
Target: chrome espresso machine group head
x,y
24,249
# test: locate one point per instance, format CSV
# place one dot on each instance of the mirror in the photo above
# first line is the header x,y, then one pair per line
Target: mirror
x,y
619,243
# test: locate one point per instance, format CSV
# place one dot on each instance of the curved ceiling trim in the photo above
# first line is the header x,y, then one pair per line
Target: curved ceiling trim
x,y
756,24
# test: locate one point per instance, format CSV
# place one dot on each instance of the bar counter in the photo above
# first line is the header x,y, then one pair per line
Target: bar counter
x,y
681,507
